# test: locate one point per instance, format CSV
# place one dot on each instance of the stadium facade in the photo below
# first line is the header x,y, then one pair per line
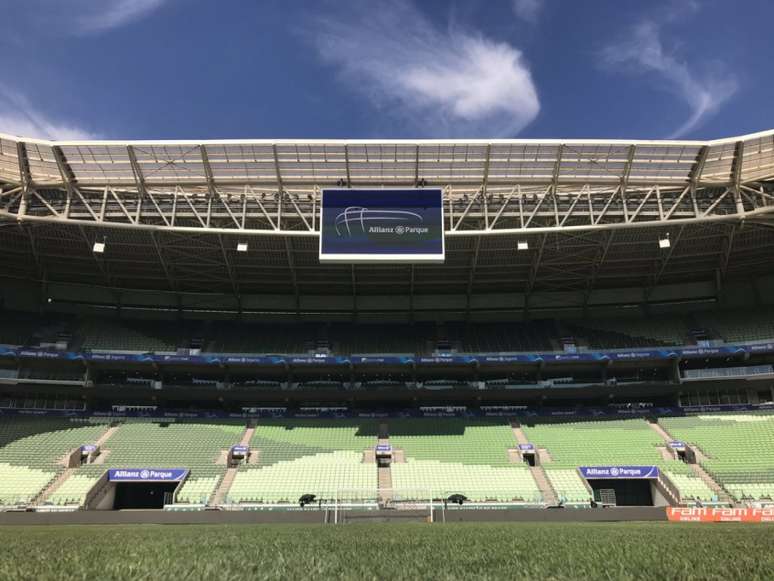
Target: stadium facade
x,y
182,282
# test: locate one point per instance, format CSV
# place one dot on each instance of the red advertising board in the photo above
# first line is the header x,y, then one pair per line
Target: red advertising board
x,y
745,515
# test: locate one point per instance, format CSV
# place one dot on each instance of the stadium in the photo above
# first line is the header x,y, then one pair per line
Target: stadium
x,y
363,331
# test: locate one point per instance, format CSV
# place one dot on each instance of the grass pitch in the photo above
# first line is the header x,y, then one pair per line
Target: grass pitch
x,y
389,551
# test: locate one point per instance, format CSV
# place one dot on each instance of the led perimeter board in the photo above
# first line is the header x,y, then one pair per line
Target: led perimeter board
x,y
382,225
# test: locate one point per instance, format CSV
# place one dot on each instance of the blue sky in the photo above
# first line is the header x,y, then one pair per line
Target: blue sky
x,y
204,69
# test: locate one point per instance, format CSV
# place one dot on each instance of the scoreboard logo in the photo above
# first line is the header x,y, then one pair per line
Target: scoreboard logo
x,y
377,222
382,225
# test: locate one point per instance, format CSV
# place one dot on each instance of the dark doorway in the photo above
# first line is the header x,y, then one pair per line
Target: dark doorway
x,y
143,494
632,492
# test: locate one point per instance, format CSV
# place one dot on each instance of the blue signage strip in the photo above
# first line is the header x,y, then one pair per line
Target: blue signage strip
x,y
147,474
526,447
306,360
240,449
88,448
382,225
619,472
677,445
527,412
383,448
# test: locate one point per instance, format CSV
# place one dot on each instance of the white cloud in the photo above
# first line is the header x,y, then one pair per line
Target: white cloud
x,y
644,52
102,15
33,18
527,10
439,82
20,118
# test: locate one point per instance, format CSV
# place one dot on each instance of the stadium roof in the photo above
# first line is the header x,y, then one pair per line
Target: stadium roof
x,y
317,162
592,212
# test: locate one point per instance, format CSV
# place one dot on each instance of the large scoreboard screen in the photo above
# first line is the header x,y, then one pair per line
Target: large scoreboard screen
x,y
382,225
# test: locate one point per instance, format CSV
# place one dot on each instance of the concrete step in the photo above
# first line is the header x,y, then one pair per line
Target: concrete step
x,y
384,480
723,496
247,435
659,429
106,435
666,453
52,486
541,479
519,434
222,490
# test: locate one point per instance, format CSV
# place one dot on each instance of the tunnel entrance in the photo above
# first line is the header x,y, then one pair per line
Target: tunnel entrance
x,y
622,492
143,495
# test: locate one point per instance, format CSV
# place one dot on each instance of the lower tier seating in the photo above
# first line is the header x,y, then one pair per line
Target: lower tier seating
x,y
737,449
339,474
422,479
609,443
73,490
32,451
20,484
148,443
568,485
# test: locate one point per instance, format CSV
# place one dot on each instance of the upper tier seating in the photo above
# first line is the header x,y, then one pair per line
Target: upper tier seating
x,y
496,337
120,335
296,457
739,450
626,333
740,326
447,456
254,338
608,443
216,336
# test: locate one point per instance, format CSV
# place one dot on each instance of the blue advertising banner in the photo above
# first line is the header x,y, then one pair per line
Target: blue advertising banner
x,y
306,360
240,449
87,448
383,448
677,445
526,447
147,474
382,225
621,472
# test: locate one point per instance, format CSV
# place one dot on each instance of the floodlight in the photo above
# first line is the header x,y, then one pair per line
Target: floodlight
x,y
522,245
664,242
99,247
242,247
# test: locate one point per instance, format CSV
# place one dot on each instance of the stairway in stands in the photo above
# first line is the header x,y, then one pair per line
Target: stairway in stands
x,y
57,482
228,477
722,495
383,473
541,479
538,472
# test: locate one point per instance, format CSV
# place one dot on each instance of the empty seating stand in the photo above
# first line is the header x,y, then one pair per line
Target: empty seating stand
x,y
297,457
456,456
607,443
146,443
32,450
737,450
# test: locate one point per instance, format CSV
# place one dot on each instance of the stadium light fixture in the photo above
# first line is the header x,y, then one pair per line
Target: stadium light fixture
x,y
99,247
522,245
241,246
664,242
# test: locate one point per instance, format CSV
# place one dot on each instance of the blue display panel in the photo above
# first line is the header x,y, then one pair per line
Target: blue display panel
x,y
611,472
382,225
147,474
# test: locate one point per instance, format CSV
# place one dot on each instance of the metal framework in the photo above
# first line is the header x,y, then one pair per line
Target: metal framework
x,y
592,212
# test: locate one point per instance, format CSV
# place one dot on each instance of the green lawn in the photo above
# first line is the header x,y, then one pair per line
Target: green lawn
x,y
389,551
